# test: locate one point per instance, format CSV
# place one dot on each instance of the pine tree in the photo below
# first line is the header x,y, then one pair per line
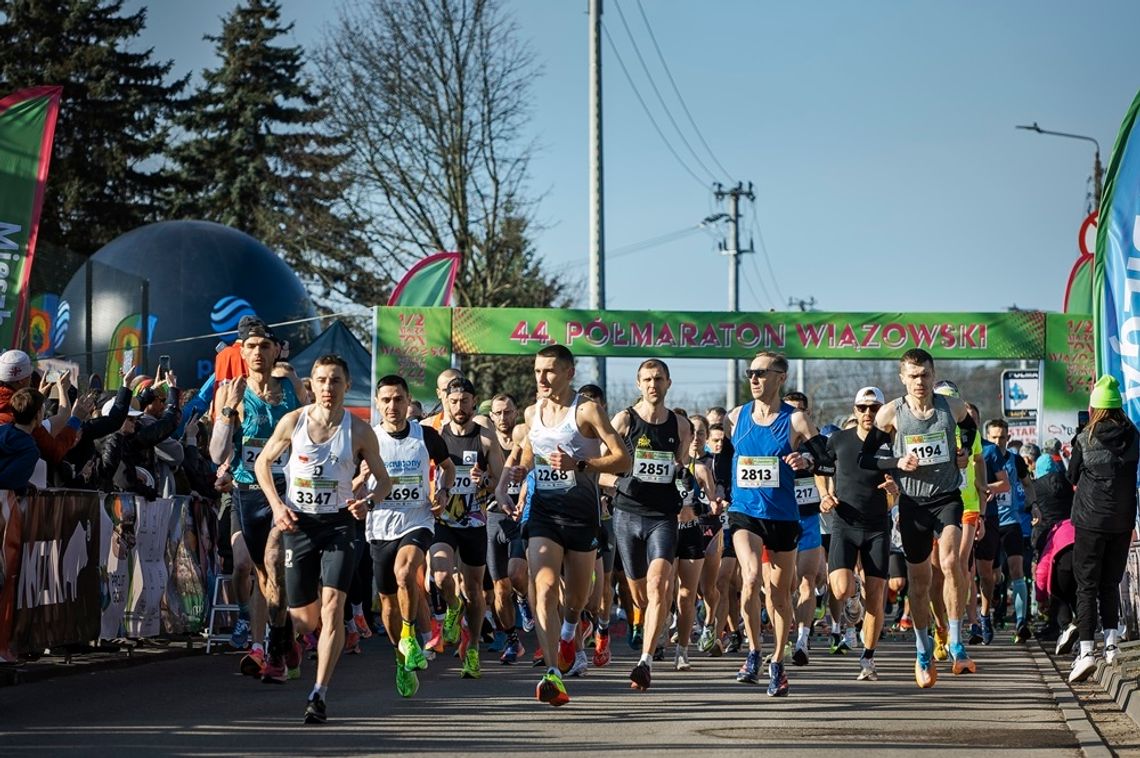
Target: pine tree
x,y
255,157
106,173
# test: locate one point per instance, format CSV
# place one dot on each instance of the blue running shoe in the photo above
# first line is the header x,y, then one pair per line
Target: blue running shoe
x,y
239,638
778,681
750,672
987,630
499,644
525,616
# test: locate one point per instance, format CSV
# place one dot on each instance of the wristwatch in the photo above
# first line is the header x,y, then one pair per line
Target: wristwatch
x,y
371,503
582,464
228,412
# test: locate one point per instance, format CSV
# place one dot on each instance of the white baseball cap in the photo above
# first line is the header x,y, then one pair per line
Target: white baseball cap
x,y
15,365
870,396
131,410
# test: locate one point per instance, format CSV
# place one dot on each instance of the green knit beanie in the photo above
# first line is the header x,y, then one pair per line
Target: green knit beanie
x,y
1106,393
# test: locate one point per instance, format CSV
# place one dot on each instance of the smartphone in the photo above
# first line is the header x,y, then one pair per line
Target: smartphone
x,y
128,360
53,376
164,363
1082,419
95,384
470,457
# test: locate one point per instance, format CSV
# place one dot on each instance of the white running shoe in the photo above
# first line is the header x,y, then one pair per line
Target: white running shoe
x,y
1066,641
1110,653
867,672
1083,667
681,659
581,663
851,638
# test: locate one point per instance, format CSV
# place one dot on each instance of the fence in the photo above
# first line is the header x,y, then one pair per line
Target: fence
x,y
79,566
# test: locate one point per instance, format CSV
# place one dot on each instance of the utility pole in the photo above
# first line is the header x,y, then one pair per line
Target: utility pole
x,y
732,249
804,306
597,215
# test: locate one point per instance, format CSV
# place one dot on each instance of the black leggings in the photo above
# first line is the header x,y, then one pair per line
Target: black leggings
x,y
1064,586
1099,559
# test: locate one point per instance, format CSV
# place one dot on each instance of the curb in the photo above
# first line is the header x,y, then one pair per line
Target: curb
x,y
1089,740
1120,679
54,667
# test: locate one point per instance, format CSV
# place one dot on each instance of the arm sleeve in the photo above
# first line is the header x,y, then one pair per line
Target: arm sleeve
x,y
436,447
969,431
867,456
824,461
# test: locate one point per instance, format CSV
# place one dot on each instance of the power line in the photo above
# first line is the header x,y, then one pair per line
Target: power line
x,y
752,290
755,226
676,90
636,247
644,107
660,99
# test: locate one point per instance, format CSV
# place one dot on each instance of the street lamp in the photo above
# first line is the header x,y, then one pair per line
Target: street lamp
x,y
1098,170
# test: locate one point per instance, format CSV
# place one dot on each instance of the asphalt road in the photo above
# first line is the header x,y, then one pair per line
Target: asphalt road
x,y
200,706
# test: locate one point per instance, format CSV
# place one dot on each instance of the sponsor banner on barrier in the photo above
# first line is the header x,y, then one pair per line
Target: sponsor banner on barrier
x,y
149,572
414,343
11,528
117,522
695,334
58,598
1069,372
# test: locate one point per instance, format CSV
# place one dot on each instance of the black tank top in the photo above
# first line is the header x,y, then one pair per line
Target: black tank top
x,y
469,499
648,489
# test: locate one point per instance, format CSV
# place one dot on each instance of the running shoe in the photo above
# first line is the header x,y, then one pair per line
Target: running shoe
x,y
435,641
551,690
735,642
451,625
499,643
867,672
987,630
962,661
975,634
1023,634
1110,653
309,642
407,682
839,645
414,659
941,651
581,664
707,638
538,660
1083,667
315,711
641,677
800,655
635,635
274,670
750,671
293,661
566,655
239,638
659,653
586,626
777,680
717,649
362,626
1066,641
471,668
602,652
487,630
905,624
512,652
253,662
925,675
352,643
681,659
851,638
524,613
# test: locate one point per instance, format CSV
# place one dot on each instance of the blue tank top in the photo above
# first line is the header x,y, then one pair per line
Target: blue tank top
x,y
257,425
763,486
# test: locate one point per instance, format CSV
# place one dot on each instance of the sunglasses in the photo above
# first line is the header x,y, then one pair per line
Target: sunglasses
x,y
868,408
760,373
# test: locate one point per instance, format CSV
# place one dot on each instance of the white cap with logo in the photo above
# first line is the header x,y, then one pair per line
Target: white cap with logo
x,y
870,396
15,365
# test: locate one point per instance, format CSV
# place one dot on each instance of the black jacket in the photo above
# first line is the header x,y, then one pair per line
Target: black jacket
x,y
1103,469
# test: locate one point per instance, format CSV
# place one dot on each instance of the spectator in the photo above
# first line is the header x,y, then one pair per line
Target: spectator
x,y
19,453
15,374
161,452
1103,469
120,459
1030,453
79,466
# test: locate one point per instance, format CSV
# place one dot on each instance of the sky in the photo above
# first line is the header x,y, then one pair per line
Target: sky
x,y
878,137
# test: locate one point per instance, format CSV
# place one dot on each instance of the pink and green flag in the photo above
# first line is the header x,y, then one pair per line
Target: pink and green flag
x,y
27,125
428,283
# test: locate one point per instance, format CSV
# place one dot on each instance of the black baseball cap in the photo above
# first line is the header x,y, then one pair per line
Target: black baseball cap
x,y
252,326
460,385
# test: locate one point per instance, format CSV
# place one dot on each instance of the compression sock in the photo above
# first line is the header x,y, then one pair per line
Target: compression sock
x,y
921,639
955,631
568,630
1020,599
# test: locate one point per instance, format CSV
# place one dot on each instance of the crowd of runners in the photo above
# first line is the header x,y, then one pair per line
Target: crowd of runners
x,y
695,534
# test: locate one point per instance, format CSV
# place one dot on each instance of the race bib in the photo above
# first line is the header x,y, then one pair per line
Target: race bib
x,y
1004,499
963,481
514,488
251,450
653,466
550,479
464,482
406,491
806,492
758,472
315,495
930,449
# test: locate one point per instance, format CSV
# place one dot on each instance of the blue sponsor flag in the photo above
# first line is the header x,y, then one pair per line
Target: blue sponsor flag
x,y
1116,268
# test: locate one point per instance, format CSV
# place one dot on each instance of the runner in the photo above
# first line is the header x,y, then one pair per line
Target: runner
x,y
726,611
923,429
861,527
317,516
563,447
601,600
506,551
767,434
251,408
647,506
400,527
461,530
